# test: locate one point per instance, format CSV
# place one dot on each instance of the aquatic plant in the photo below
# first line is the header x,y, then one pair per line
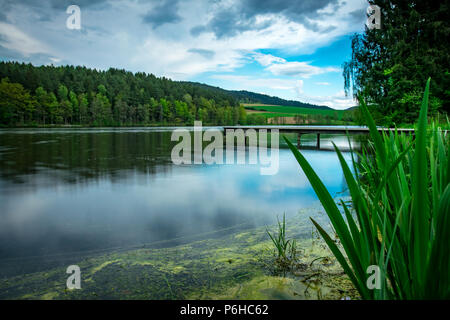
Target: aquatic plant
x,y
286,249
279,240
399,222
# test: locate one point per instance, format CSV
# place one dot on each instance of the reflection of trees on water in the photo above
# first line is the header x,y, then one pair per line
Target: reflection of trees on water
x,y
50,158
85,156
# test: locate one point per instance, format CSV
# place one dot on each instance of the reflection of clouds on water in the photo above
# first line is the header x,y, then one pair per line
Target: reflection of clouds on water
x,y
18,215
124,207
326,142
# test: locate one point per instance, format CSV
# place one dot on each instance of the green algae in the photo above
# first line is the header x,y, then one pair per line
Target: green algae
x,y
100,267
235,266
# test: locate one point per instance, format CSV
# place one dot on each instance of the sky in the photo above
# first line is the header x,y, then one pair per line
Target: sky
x,y
293,49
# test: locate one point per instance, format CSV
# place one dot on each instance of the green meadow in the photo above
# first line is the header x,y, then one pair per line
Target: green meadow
x,y
291,111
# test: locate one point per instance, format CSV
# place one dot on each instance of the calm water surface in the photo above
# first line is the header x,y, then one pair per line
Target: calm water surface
x,y
65,194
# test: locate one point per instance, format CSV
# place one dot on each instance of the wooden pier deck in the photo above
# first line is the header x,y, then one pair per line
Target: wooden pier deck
x,y
318,130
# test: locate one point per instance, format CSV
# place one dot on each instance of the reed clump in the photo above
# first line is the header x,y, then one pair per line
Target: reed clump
x,y
286,249
399,222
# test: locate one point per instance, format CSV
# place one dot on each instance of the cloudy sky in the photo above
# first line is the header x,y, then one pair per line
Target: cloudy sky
x,y
293,49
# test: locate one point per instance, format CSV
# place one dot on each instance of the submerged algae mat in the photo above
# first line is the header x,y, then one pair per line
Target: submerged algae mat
x,y
236,266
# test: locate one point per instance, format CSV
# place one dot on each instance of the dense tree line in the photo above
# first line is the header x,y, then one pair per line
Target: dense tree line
x,y
78,95
389,66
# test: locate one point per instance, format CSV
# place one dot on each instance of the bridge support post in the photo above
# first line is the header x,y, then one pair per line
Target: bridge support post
x,y
298,140
318,141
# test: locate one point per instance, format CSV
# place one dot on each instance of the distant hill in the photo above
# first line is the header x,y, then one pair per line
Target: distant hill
x,y
252,97
258,98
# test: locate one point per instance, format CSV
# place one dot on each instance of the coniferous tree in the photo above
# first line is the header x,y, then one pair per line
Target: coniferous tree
x,y
78,95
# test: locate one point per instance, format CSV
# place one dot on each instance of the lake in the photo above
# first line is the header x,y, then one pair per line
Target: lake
x,y
70,193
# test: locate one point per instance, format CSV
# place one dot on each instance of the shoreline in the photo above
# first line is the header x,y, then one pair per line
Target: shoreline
x,y
235,266
71,126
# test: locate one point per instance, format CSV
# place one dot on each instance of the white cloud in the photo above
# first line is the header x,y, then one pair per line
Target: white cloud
x,y
165,50
251,83
299,69
116,36
14,39
337,101
281,67
299,87
267,59
55,60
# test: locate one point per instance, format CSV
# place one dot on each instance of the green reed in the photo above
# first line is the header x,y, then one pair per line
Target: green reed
x,y
279,240
286,249
399,220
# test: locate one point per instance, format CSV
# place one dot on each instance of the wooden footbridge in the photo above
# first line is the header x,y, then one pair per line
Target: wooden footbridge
x,y
318,130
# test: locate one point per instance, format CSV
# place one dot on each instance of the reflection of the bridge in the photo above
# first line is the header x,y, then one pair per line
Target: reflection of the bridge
x,y
330,149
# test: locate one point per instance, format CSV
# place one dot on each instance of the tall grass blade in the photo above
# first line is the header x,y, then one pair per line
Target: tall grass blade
x,y
401,199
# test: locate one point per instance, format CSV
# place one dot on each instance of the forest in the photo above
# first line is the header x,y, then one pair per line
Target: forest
x,y
68,95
